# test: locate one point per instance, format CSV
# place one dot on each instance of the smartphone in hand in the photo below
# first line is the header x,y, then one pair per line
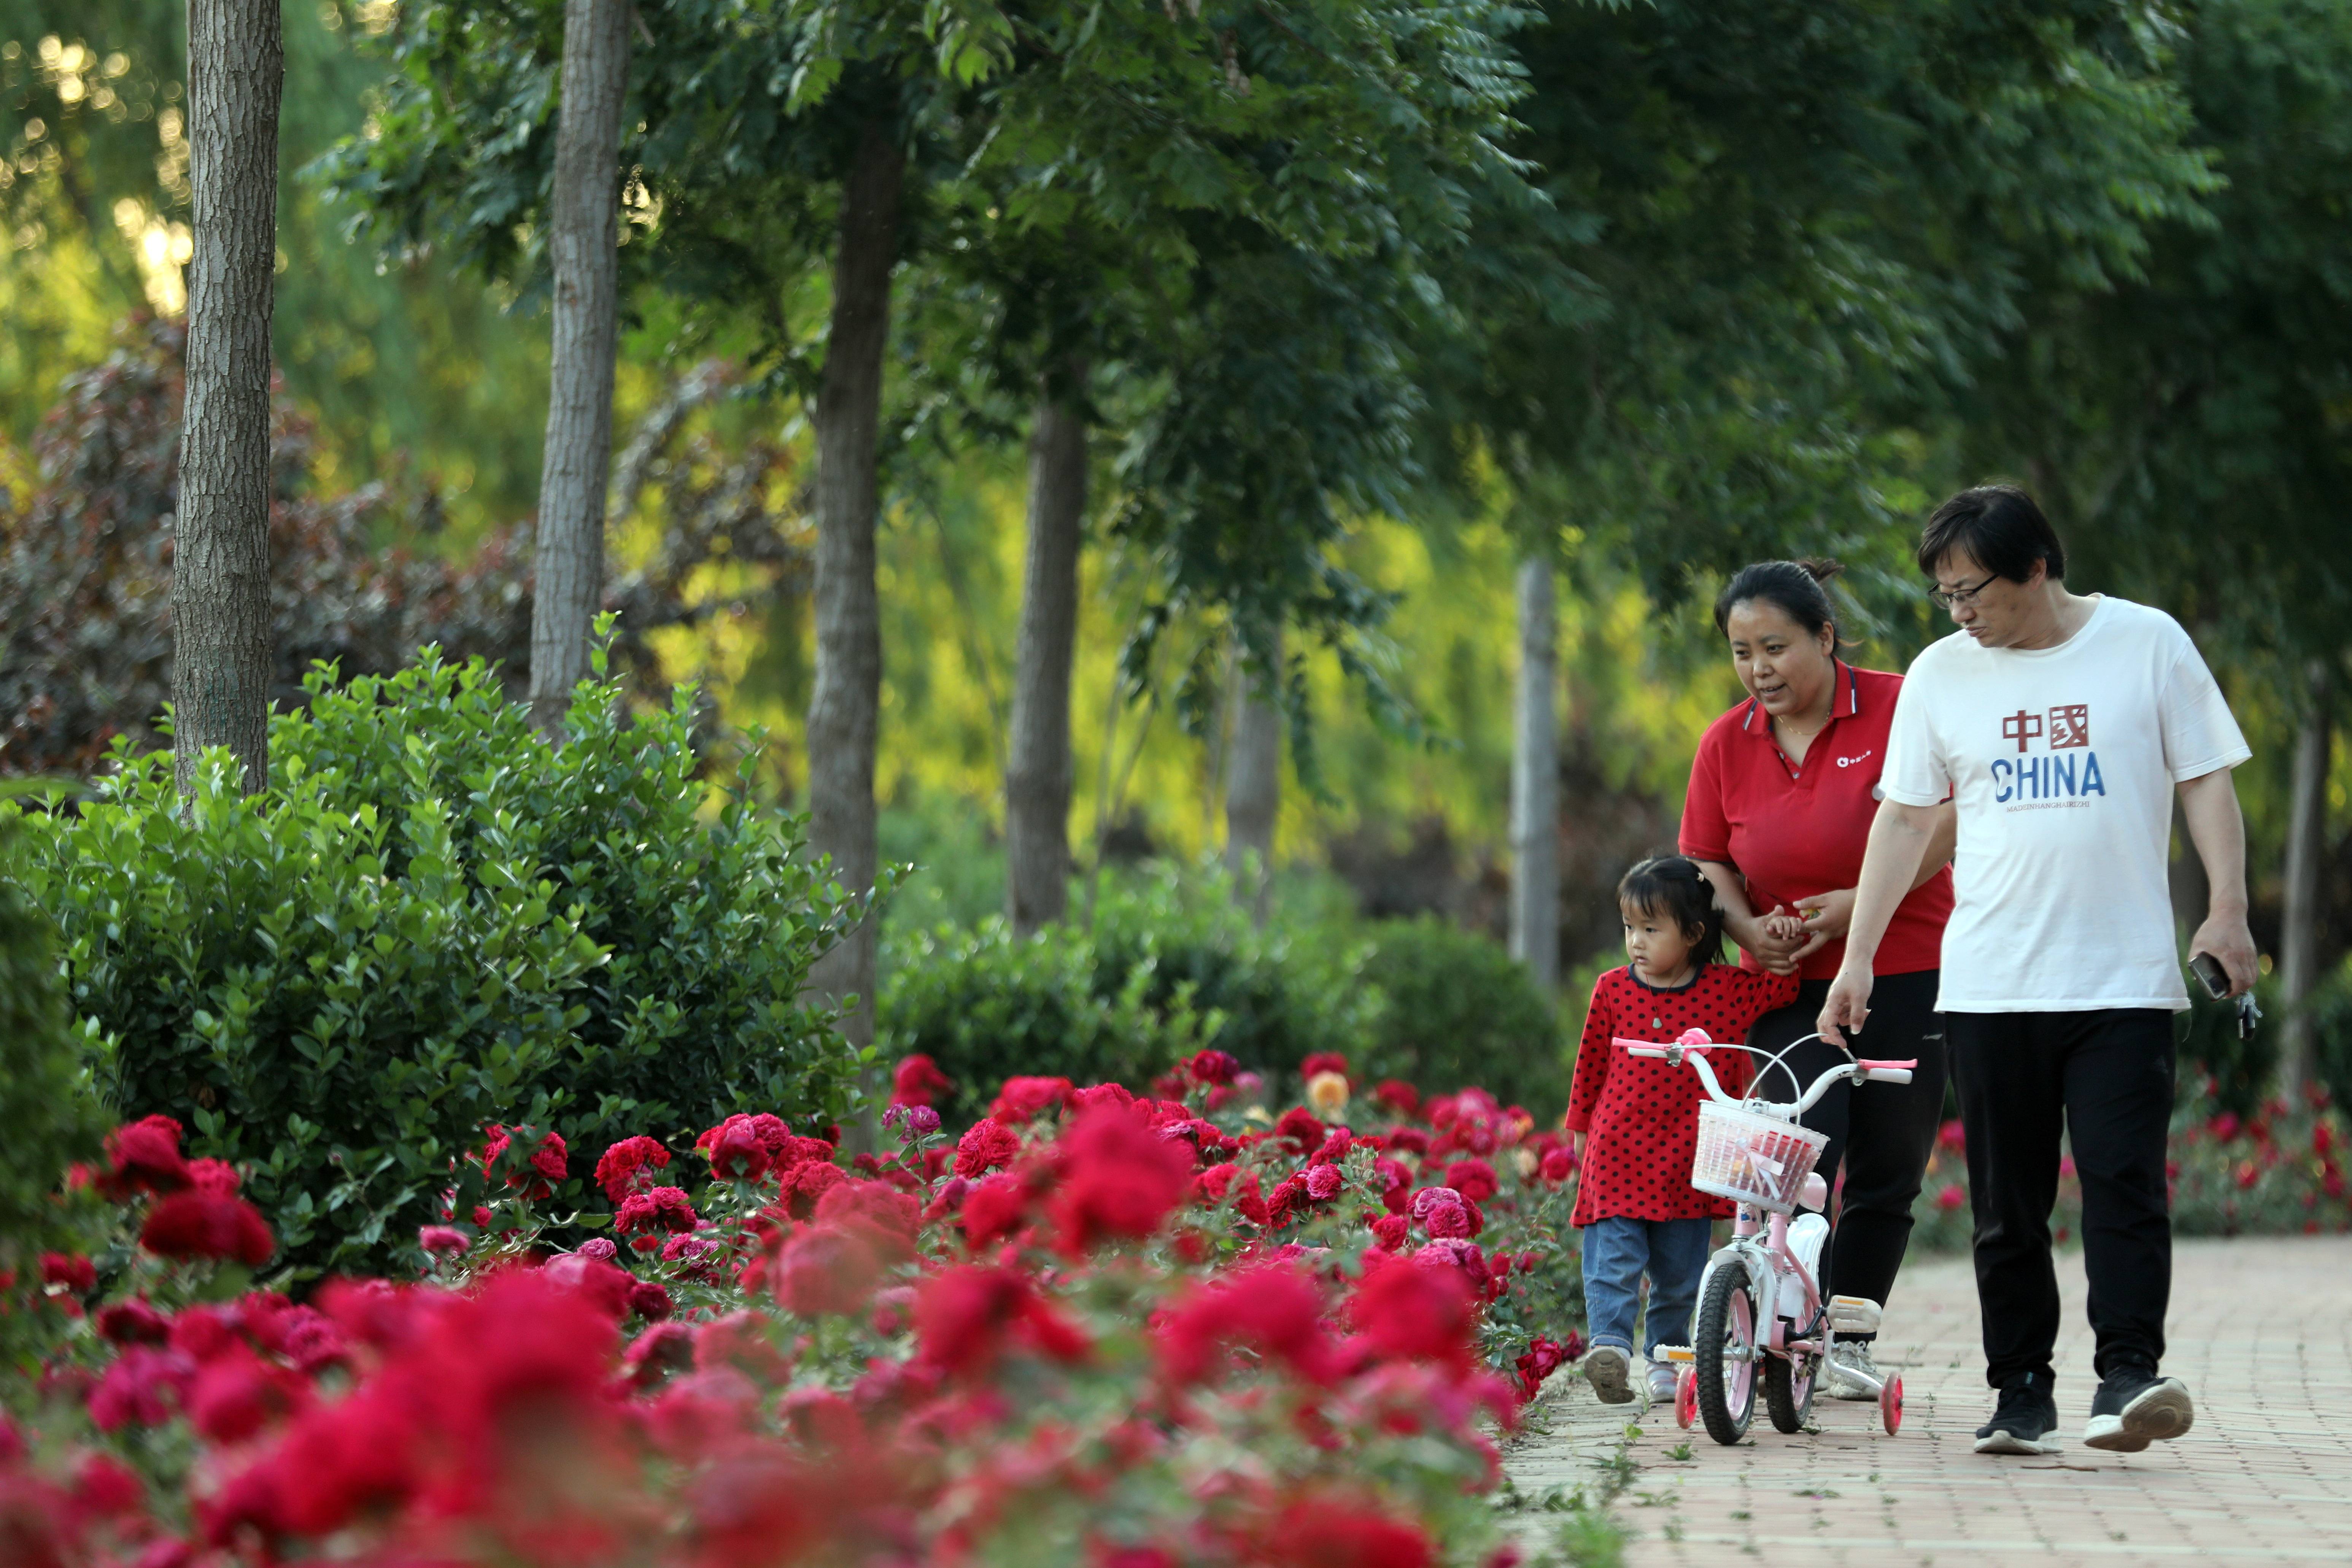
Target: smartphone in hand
x,y
2210,974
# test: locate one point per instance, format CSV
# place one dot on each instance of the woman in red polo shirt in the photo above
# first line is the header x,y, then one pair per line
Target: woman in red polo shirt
x,y
1782,796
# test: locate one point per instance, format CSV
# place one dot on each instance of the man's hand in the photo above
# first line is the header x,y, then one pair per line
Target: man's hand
x,y
1848,1006
2225,936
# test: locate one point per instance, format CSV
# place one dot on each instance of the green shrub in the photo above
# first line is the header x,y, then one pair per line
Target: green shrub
x,y
1458,1010
49,1111
1171,967
434,920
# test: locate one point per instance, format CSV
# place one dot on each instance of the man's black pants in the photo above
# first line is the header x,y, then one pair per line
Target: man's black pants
x,y
1880,1133
2103,1078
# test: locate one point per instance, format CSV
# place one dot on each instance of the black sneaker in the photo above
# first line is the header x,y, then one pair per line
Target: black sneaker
x,y
2027,1413
2135,1407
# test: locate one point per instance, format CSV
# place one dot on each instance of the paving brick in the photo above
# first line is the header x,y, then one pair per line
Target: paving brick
x,y
2259,1329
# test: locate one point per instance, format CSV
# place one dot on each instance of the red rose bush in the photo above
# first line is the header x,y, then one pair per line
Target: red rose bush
x,y
1092,1329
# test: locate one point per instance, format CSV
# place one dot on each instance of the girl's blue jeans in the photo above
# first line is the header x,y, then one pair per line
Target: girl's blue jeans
x,y
1617,1253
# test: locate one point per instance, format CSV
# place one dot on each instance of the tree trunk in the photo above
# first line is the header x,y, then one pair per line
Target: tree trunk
x,y
1535,780
583,240
1037,768
222,647
844,707
2306,847
1253,780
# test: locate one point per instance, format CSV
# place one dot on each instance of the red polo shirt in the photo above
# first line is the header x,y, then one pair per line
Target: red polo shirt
x,y
1796,831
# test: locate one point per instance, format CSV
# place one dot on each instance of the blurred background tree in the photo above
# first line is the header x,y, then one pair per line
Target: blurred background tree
x,y
1789,273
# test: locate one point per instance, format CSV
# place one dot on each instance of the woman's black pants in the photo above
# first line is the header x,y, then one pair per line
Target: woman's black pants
x,y
1882,1132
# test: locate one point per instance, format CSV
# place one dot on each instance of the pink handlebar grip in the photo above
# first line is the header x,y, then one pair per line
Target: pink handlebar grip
x,y
1640,1047
1860,1063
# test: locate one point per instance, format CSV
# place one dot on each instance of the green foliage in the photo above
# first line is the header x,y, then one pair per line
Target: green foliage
x,y
49,1111
1458,1010
433,921
1171,967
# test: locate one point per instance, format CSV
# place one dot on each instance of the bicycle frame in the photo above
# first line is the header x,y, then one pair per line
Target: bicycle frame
x,y
1759,1243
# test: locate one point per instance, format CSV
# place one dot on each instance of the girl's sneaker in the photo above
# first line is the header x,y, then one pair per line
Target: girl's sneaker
x,y
1852,1355
1659,1382
1610,1371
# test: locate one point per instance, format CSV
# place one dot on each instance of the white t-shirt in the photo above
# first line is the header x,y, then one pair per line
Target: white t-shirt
x,y
2061,762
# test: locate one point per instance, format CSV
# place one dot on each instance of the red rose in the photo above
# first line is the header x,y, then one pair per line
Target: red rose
x,y
238,1394
1414,1313
736,1151
1118,1180
1391,1231
144,1157
918,1081
76,1273
1344,1532
1302,1129
650,1301
1558,1165
1323,1061
809,1182
191,1224
1474,1179
629,1165
1099,1094
1213,1067
827,1270
216,1176
1024,1098
993,1208
984,1147
133,1322
1274,1311
1401,1098
662,1209
441,1240
966,1317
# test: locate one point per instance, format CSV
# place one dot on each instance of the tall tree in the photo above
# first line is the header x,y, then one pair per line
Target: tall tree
x,y
1534,777
1038,764
1253,774
220,578
583,241
2306,845
846,710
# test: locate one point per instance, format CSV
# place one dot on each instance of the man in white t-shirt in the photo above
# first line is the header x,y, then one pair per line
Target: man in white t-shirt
x,y
2061,727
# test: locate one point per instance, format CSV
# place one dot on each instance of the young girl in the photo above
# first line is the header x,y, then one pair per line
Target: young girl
x,y
1636,1118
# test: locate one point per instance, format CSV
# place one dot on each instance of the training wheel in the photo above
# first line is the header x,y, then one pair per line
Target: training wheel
x,y
1890,1404
1686,1397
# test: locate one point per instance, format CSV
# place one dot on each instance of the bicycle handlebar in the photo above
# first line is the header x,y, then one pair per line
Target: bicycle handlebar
x,y
1687,1049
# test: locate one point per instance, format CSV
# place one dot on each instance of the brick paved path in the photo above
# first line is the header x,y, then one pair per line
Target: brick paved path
x,y
2260,1329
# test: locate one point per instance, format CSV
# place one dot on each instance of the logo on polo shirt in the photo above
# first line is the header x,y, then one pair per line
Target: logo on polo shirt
x,y
1849,761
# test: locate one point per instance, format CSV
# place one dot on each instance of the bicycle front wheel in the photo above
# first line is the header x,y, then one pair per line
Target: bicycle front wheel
x,y
1724,1348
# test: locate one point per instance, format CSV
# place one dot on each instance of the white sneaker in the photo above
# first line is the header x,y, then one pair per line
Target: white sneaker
x,y
1659,1384
1852,1355
1610,1371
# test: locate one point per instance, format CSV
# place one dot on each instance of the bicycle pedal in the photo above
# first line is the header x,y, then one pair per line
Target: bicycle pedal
x,y
1678,1355
1853,1314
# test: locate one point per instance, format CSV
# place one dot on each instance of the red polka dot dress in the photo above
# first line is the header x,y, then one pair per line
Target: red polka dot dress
x,y
1640,1114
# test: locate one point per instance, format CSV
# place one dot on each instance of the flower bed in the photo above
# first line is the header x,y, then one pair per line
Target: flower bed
x,y
1090,1329
2280,1172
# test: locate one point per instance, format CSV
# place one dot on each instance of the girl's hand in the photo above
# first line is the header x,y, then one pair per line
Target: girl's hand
x,y
1774,947
1827,916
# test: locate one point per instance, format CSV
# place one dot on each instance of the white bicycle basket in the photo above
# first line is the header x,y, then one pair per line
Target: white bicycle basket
x,y
1753,1159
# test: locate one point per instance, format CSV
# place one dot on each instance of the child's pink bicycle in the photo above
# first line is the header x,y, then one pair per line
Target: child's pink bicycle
x,y
1760,1304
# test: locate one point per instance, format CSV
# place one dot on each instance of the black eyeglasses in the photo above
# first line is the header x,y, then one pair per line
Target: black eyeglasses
x,y
1967,596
